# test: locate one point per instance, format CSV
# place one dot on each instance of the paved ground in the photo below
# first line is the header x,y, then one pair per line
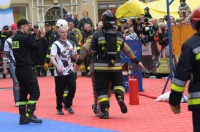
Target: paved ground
x,y
148,116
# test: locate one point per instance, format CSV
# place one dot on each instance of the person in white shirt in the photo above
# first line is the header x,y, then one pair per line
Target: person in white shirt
x,y
62,53
131,34
10,59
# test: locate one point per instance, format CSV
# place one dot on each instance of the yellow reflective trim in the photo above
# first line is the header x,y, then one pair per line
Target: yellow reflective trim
x,y
103,47
119,42
3,36
102,100
78,48
107,68
194,101
31,102
177,88
51,67
197,57
82,66
22,103
65,95
47,56
101,42
119,88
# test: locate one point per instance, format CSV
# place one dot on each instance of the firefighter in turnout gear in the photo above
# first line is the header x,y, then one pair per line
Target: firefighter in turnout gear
x,y
24,46
187,68
83,54
41,53
106,47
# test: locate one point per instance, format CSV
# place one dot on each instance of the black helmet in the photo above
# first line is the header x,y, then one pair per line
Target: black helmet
x,y
108,17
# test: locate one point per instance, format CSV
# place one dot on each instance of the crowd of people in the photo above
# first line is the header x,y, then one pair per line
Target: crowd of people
x,y
31,52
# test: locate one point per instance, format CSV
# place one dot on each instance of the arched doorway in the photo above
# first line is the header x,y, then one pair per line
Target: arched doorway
x,y
53,14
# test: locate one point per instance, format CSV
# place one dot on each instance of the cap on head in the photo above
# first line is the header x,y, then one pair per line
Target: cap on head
x,y
123,20
146,8
69,13
22,22
61,23
47,24
195,17
6,27
13,26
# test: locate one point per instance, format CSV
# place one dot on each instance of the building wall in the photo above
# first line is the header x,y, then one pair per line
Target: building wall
x,y
35,14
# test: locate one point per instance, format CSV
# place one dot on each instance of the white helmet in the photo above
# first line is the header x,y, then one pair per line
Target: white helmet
x,y
61,23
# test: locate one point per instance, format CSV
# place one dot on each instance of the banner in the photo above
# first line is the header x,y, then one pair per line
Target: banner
x,y
6,13
135,45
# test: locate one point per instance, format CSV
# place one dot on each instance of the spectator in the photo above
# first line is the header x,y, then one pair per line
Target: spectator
x,y
146,13
160,20
99,26
131,34
76,21
138,27
69,17
86,33
178,22
162,37
9,59
183,7
124,23
84,20
129,22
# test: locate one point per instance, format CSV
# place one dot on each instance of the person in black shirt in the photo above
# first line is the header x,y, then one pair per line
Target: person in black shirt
x,y
24,46
146,13
84,20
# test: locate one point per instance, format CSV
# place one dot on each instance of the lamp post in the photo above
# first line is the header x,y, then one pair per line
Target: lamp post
x,y
61,10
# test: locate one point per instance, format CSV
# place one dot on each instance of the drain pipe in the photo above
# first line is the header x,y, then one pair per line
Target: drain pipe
x,y
32,7
94,7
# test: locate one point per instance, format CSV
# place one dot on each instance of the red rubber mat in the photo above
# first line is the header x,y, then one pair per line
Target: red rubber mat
x,y
148,116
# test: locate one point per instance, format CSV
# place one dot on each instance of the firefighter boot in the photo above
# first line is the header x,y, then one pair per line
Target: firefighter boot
x,y
42,74
104,106
32,117
95,109
104,114
23,118
122,105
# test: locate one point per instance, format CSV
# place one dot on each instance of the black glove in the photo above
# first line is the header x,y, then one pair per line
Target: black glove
x,y
135,60
79,61
174,101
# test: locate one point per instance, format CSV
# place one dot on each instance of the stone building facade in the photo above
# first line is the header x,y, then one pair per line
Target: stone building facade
x,y
41,11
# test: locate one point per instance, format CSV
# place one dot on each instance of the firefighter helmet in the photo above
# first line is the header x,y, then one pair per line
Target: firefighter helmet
x,y
195,17
108,17
61,23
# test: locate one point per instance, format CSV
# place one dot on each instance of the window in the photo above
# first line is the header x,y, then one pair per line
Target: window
x,y
53,14
20,12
